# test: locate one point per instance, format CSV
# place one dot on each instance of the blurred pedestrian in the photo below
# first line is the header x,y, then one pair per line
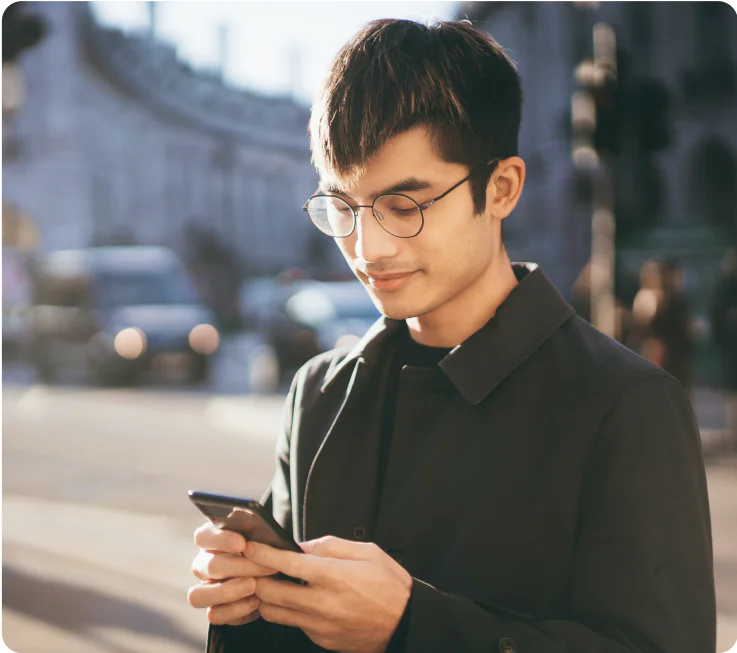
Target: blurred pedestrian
x,y
644,308
663,318
673,324
724,330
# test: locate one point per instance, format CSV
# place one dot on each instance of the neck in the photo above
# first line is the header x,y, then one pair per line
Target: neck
x,y
461,317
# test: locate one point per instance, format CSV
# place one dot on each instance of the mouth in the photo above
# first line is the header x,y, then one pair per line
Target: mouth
x,y
388,282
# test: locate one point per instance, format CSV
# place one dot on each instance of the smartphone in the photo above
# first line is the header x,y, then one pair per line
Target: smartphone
x,y
247,517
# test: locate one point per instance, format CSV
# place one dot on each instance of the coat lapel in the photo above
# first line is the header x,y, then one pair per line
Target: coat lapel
x,y
341,491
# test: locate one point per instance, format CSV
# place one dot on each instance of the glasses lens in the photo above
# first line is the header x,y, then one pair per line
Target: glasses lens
x,y
331,215
399,215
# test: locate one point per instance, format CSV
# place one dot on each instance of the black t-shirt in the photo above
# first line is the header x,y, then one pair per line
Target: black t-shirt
x,y
410,353
407,352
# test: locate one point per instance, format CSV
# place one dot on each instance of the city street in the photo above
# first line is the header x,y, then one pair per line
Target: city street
x,y
97,528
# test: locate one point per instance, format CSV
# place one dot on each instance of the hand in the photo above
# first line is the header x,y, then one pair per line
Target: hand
x,y
228,578
355,597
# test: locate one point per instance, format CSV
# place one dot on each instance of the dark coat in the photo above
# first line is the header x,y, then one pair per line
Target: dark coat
x,y
545,488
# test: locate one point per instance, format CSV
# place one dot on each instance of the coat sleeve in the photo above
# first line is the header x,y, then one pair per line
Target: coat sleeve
x,y
260,635
642,571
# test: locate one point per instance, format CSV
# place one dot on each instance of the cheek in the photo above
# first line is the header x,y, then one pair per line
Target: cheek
x,y
347,247
457,251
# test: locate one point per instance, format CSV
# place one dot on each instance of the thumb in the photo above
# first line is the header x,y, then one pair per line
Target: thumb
x,y
334,547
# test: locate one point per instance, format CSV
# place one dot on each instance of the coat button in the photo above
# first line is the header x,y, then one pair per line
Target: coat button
x,y
507,645
359,533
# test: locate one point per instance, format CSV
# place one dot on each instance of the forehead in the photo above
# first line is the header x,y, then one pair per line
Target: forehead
x,y
409,154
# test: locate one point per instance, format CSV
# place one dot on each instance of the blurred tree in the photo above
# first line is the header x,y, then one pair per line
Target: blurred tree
x,y
216,272
21,31
648,114
609,116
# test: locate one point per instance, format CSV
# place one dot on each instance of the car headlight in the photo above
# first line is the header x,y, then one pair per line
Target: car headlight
x,y
204,339
130,343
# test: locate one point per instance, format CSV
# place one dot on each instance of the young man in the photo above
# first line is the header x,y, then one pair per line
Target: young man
x,y
484,471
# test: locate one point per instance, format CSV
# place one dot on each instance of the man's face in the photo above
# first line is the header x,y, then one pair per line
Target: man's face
x,y
417,276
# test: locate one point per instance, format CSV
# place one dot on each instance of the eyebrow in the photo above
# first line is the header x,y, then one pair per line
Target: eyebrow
x,y
406,185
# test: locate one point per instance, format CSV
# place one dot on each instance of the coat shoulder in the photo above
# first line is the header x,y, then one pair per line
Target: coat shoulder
x,y
604,364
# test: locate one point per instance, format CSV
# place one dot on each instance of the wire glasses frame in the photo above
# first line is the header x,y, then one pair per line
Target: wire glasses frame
x,y
377,215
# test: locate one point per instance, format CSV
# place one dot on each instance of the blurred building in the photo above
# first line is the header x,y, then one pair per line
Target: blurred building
x,y
677,200
119,141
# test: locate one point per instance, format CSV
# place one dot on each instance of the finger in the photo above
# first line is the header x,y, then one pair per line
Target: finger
x,y
229,591
220,566
334,547
297,565
285,616
234,614
208,536
286,594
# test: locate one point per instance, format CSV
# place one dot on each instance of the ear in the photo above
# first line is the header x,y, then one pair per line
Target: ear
x,y
505,187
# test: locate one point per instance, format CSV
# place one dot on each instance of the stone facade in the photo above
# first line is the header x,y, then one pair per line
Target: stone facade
x,y
119,136
689,47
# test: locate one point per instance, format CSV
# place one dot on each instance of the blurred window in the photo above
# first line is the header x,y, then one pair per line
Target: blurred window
x,y
67,291
144,289
316,305
356,307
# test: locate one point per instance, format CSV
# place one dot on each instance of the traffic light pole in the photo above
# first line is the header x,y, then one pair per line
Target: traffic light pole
x,y
603,226
593,110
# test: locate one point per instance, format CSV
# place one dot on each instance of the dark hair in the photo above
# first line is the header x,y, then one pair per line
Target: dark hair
x,y
398,74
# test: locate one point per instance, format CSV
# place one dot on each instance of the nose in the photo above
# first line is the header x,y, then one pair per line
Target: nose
x,y
373,243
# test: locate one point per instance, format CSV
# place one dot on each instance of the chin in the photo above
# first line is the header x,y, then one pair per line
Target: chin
x,y
411,301
397,308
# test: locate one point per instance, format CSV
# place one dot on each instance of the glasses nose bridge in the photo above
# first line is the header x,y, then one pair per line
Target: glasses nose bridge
x,y
357,208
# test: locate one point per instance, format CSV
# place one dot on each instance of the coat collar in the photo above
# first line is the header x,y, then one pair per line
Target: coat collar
x,y
529,315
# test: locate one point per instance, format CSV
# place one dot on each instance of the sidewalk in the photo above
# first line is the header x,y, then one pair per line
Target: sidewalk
x,y
710,408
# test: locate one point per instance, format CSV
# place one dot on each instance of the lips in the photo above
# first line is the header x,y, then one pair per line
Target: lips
x,y
388,282
388,277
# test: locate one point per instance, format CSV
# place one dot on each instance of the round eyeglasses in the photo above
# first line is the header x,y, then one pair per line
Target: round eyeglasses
x,y
396,213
